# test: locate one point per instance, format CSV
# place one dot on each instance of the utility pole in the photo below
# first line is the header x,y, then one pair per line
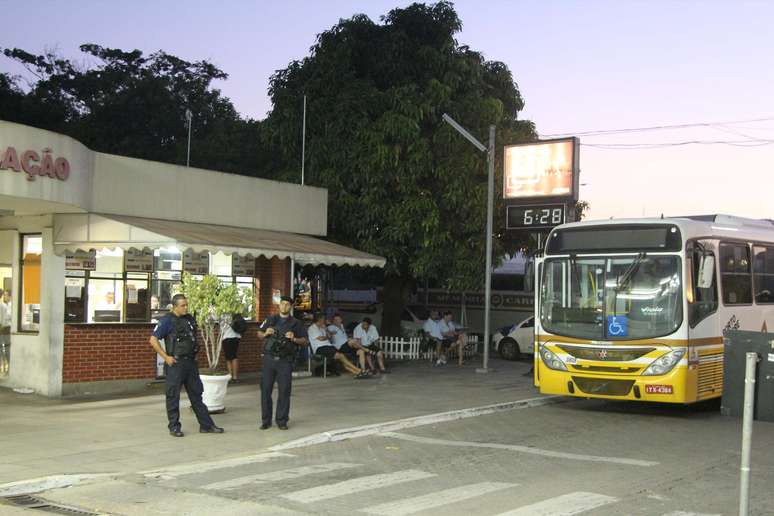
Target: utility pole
x,y
490,155
189,118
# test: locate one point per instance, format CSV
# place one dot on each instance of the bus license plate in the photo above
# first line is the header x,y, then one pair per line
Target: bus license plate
x,y
658,389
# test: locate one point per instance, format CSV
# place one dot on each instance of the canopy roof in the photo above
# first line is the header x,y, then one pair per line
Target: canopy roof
x,y
73,232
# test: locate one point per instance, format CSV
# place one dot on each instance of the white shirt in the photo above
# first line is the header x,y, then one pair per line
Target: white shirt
x,y
339,335
5,314
229,333
433,329
366,337
445,327
315,331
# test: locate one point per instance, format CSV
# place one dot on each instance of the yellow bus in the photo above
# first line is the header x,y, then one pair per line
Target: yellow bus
x,y
635,309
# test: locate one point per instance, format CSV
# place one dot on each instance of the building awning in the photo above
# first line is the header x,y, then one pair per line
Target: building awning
x,y
82,232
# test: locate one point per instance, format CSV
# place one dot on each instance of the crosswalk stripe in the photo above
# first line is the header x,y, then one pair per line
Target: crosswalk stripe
x,y
565,505
356,485
436,499
276,476
202,467
519,448
683,513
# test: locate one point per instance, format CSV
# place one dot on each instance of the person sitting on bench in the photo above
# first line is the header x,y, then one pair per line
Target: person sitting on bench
x,y
350,347
367,336
432,329
321,345
451,337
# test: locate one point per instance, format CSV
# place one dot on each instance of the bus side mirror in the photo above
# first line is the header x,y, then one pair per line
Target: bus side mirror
x,y
706,271
529,276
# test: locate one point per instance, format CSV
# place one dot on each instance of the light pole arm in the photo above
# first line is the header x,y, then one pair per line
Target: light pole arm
x,y
449,120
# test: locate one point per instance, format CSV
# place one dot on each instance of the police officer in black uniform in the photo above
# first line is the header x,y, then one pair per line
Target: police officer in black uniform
x,y
280,334
178,328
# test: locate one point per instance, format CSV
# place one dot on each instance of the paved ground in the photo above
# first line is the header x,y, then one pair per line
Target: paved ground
x,y
576,457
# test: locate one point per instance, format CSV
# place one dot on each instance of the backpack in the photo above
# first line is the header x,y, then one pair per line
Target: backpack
x,y
238,324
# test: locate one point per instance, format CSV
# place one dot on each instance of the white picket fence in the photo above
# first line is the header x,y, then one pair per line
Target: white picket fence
x,y
400,348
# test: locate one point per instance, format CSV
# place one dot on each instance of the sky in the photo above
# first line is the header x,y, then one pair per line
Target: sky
x,y
581,66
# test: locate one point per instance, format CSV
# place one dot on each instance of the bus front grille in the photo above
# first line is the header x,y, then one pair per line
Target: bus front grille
x,y
606,369
608,354
710,373
603,386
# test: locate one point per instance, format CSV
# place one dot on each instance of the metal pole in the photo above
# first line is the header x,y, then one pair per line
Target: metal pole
x,y
292,293
189,117
747,428
303,143
488,286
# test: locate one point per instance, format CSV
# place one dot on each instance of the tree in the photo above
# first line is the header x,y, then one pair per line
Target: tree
x,y
213,304
401,183
134,105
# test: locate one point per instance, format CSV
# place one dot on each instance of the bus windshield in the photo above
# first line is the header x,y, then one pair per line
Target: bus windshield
x,y
612,298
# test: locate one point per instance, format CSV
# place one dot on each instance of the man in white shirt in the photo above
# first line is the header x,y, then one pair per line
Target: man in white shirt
x,y
343,343
451,337
5,332
319,340
367,336
432,328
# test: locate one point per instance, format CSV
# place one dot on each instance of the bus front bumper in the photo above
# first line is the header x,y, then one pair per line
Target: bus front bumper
x,y
668,388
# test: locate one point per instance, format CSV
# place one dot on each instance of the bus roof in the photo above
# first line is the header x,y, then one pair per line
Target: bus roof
x,y
695,226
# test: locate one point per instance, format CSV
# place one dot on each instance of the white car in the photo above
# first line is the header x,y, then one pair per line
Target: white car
x,y
516,341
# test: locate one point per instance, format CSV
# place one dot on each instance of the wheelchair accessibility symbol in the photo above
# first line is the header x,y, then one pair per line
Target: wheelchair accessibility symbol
x,y
617,325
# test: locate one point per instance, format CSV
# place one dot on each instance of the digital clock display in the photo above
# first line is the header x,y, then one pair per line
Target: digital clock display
x,y
535,216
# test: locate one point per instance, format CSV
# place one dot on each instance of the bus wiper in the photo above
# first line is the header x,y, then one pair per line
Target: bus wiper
x,y
574,273
625,279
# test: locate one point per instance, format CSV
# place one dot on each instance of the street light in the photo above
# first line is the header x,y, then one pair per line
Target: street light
x,y
189,118
489,202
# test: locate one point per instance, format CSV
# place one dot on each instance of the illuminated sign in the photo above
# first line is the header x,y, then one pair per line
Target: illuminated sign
x,y
81,260
35,164
536,216
138,260
242,265
543,169
196,263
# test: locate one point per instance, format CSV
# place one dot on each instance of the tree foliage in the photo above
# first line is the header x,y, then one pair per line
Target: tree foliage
x,y
401,183
134,105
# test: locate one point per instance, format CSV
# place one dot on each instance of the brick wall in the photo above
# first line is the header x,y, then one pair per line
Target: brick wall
x,y
100,352
271,274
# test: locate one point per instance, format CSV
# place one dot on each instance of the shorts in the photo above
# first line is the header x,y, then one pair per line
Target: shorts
x,y
230,348
374,347
326,351
446,343
349,351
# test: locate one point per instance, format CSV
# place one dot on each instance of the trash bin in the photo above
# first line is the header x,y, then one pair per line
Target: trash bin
x,y
736,346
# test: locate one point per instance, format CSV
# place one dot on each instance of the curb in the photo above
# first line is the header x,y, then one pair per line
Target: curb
x,y
37,485
411,422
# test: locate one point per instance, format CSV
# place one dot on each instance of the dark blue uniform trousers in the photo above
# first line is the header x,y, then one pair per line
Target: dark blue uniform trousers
x,y
280,371
185,372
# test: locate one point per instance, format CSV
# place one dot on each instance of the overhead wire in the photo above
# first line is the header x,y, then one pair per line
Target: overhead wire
x,y
749,141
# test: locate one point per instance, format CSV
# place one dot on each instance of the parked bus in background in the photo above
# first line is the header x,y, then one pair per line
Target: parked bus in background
x,y
636,309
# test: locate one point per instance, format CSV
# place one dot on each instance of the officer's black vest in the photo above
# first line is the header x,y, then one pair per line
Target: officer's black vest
x,y
181,341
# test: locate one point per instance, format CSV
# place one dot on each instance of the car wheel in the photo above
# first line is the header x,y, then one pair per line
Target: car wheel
x,y
509,349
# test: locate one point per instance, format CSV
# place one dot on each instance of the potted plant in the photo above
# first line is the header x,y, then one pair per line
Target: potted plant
x,y
212,303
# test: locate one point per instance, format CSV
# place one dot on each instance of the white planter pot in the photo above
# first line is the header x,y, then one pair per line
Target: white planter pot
x,y
215,391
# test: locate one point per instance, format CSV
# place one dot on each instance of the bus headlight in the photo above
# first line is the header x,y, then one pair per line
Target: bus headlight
x,y
551,360
664,363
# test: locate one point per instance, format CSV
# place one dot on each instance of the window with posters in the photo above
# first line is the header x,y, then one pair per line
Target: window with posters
x,y
136,285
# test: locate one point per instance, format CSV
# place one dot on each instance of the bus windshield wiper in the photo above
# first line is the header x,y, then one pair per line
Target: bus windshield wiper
x,y
574,273
626,277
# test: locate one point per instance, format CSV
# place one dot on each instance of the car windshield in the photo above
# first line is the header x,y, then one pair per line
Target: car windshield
x,y
612,298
